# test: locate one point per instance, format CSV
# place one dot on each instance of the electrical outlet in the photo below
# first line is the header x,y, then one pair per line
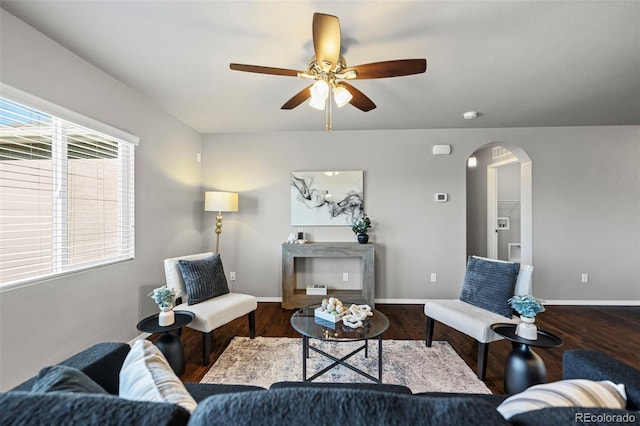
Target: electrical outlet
x,y
232,276
434,277
585,278
345,277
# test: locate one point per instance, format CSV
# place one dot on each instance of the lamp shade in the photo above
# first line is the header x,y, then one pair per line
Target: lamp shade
x,y
220,201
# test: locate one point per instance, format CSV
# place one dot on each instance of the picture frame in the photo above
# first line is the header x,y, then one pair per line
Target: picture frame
x,y
326,198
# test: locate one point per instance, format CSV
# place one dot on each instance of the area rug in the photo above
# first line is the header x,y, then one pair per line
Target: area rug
x,y
266,360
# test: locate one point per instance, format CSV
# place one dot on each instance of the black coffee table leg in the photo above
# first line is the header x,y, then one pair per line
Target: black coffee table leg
x,y
380,359
305,355
524,368
171,347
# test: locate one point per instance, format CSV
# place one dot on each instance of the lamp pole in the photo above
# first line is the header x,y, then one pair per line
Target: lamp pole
x,y
218,230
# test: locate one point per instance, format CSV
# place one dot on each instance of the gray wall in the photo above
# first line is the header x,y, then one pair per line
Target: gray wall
x,y
45,322
586,206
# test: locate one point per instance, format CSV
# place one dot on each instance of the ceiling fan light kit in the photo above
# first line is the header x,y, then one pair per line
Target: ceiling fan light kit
x,y
341,95
329,70
319,94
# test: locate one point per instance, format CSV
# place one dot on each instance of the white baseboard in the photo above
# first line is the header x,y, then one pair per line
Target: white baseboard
x,y
389,301
269,299
593,302
547,302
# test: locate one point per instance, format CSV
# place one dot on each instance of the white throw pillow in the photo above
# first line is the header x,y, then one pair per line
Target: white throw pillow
x,y
565,393
147,376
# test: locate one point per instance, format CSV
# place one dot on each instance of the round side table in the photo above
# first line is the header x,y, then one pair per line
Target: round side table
x,y
169,343
524,368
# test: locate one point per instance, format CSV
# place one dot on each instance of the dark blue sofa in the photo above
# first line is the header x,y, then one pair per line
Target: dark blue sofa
x,y
288,403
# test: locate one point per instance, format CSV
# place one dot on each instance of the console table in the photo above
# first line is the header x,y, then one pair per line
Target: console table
x,y
293,297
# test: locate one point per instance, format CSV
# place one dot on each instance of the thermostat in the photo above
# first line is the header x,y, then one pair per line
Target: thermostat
x,y
441,197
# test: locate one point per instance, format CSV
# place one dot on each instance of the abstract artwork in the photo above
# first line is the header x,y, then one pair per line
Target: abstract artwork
x,y
326,198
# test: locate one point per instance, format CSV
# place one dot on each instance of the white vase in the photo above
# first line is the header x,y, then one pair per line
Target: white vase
x,y
527,329
166,316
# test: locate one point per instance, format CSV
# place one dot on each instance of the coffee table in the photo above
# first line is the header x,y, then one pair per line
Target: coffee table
x,y
524,368
305,322
169,343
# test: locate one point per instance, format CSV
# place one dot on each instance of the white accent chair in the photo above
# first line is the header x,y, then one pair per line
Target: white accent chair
x,y
211,313
472,320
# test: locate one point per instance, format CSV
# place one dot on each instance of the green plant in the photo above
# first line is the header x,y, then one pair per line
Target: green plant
x,y
527,306
362,225
163,296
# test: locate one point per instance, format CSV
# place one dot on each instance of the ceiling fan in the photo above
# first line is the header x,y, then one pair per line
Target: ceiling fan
x,y
330,73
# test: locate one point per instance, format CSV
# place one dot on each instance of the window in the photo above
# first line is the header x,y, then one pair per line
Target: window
x,y
66,195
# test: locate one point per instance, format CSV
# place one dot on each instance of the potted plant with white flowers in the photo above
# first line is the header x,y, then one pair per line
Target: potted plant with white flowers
x,y
164,298
527,307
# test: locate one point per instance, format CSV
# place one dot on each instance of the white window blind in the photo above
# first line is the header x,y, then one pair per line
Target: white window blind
x,y
66,196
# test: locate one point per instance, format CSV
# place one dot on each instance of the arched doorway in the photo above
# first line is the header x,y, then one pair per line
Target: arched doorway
x,y
486,217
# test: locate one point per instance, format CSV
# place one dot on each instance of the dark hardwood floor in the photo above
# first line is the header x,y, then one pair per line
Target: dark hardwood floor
x,y
612,330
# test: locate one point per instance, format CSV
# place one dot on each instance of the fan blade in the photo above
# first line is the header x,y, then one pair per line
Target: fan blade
x,y
385,69
298,98
264,70
326,38
359,100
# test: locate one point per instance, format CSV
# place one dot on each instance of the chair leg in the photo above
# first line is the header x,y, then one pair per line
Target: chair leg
x,y
429,334
206,348
483,351
252,324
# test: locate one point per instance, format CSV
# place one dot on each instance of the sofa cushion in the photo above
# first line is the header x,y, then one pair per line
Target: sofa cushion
x,y
21,408
489,284
147,376
101,362
595,365
565,393
200,391
382,387
576,416
353,407
60,378
204,278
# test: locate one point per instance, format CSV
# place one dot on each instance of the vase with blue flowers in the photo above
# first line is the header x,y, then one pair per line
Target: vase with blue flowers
x,y
164,298
527,307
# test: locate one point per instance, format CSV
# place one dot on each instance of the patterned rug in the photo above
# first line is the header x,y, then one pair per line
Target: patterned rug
x,y
265,360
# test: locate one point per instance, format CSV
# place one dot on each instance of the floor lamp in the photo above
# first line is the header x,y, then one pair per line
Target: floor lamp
x,y
220,202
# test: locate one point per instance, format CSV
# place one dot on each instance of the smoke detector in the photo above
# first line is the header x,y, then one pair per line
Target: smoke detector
x,y
470,115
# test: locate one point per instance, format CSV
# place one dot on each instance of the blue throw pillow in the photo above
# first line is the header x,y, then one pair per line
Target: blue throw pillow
x,y
204,279
488,284
60,378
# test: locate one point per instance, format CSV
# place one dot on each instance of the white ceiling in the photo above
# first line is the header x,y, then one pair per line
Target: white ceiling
x,y
519,63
